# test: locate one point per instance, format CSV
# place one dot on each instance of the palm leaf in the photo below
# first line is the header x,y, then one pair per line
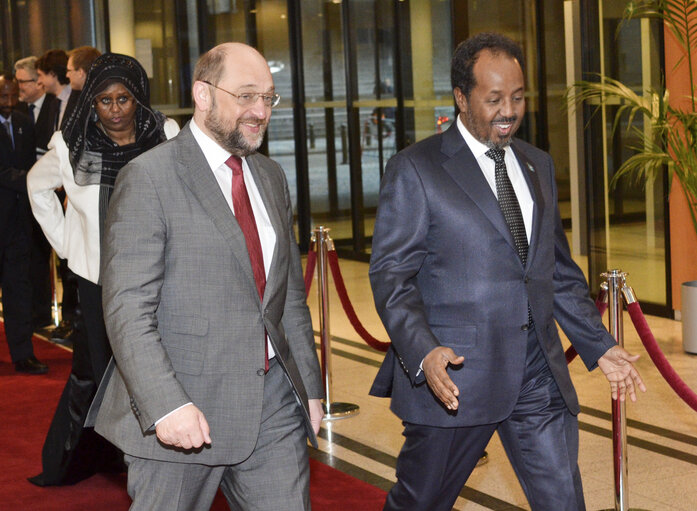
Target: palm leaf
x,y
671,144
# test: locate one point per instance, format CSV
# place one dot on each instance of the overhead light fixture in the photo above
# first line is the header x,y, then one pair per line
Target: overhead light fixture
x,y
275,66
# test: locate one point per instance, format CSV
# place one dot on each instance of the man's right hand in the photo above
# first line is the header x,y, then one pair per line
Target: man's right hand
x,y
186,428
434,367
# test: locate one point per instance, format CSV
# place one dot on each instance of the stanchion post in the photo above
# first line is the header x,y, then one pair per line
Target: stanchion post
x,y
617,289
332,410
615,281
323,301
55,310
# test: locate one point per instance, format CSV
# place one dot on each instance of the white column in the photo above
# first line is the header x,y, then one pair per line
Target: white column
x,y
422,67
579,227
122,27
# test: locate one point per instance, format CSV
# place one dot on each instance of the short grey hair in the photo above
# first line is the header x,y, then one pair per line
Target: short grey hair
x,y
28,64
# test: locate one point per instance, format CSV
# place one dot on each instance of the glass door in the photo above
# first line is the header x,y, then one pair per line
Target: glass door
x,y
350,106
627,228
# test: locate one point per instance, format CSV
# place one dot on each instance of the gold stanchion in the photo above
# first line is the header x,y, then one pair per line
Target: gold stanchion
x,y
55,309
617,288
332,410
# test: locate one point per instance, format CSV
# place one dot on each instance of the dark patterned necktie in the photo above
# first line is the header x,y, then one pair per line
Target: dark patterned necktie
x,y
32,107
246,221
508,202
510,207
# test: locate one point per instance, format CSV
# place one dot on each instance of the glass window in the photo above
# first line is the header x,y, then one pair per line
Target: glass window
x,y
628,222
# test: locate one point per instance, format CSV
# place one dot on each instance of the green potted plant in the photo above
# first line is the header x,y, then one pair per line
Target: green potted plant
x,y
671,143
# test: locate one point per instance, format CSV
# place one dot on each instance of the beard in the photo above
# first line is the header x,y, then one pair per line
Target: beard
x,y
231,138
479,130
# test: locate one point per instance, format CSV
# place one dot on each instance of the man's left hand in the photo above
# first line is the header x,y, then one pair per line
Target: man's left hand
x,y
316,413
617,364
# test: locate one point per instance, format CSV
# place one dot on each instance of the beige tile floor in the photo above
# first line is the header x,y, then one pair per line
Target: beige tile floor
x,y
662,430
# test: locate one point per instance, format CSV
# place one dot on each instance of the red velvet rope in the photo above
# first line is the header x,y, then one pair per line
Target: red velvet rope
x,y
310,270
601,304
348,308
659,359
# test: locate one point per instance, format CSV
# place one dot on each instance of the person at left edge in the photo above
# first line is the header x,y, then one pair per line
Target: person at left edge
x,y
112,124
16,157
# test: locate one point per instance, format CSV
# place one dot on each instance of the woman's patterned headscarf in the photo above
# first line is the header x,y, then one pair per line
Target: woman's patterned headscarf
x,y
94,157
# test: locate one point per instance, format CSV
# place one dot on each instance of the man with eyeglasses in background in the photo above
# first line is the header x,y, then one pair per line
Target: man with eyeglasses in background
x,y
41,105
216,381
42,108
80,60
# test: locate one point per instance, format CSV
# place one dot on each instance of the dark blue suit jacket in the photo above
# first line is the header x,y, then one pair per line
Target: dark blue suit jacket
x,y
444,271
15,162
46,121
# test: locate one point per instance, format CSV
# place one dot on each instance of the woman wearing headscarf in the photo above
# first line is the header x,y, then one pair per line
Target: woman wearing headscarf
x,y
111,124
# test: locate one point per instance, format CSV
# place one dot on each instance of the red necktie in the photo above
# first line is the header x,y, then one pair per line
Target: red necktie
x,y
246,221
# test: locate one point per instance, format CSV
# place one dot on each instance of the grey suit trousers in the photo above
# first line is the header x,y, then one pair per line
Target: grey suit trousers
x,y
275,476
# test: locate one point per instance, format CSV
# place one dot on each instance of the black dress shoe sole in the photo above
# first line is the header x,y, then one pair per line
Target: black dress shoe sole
x,y
29,367
32,371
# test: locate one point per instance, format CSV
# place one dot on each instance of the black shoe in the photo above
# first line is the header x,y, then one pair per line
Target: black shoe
x,y
30,366
62,332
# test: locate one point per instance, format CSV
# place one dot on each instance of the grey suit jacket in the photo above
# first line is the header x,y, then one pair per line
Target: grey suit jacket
x,y
444,271
182,311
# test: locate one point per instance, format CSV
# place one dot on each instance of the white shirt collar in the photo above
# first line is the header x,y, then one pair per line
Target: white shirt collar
x,y
478,149
65,93
214,153
38,103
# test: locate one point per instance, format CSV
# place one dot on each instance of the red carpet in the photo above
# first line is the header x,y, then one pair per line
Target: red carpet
x,y
26,408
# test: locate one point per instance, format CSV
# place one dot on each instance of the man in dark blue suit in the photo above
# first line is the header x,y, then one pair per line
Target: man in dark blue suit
x,y
17,155
41,108
470,270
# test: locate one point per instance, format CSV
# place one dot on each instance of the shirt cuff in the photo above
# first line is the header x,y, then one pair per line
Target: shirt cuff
x,y
170,413
421,368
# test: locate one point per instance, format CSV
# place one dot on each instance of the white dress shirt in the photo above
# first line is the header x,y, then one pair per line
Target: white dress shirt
x,y
63,96
37,106
515,174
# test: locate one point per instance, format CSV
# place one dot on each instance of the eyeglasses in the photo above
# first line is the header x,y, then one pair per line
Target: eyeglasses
x,y
249,98
107,101
26,81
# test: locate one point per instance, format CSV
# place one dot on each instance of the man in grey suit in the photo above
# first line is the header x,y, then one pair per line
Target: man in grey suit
x,y
470,270
201,277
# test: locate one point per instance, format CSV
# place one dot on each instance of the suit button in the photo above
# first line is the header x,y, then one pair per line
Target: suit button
x,y
526,280
524,327
260,372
